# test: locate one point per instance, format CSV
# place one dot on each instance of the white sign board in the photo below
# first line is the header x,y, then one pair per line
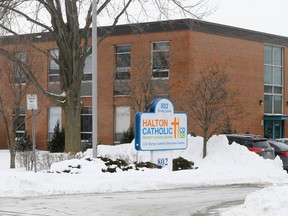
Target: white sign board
x,y
32,102
161,128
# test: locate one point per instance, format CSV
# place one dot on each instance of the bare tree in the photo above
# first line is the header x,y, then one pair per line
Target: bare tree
x,y
15,84
143,89
69,23
211,102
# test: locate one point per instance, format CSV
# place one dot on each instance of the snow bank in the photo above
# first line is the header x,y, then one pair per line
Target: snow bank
x,y
269,201
225,164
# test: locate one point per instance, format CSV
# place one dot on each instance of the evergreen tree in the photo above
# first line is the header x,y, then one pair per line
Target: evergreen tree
x,y
57,144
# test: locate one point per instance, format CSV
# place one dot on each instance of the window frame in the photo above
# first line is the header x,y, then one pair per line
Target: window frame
x,y
90,115
87,74
122,70
18,76
118,132
50,131
54,53
21,115
270,88
155,70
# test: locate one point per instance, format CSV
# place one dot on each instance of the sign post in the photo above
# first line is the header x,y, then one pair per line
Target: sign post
x,y
32,105
160,130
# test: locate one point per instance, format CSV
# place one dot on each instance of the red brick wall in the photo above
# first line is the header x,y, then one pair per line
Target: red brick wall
x,y
189,53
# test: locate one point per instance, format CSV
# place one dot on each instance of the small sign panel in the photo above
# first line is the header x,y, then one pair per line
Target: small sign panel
x,y
160,128
32,102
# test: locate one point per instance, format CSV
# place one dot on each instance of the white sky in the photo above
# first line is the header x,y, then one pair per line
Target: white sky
x,y
259,15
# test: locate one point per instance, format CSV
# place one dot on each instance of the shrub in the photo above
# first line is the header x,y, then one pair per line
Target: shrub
x,y
23,143
182,164
87,144
128,136
24,156
112,165
57,143
147,164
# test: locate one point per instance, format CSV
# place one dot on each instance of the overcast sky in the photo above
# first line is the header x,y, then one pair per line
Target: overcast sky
x,y
270,16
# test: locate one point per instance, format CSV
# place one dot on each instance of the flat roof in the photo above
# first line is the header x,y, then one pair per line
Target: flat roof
x,y
172,25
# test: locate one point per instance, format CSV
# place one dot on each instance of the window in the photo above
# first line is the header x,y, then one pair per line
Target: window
x,y
54,75
86,124
19,75
54,67
160,62
54,116
122,122
87,71
122,59
19,122
273,79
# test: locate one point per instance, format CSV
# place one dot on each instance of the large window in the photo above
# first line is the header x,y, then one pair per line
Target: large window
x,y
273,80
86,124
19,122
122,59
122,122
54,116
160,62
19,75
54,68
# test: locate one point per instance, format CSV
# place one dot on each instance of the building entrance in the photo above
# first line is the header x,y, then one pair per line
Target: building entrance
x,y
273,129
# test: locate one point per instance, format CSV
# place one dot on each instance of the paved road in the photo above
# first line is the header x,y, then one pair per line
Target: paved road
x,y
190,201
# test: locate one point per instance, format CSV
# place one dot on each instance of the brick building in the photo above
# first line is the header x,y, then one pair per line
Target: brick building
x,y
172,53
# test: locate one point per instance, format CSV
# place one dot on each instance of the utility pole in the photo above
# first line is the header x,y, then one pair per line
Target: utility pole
x,y
94,79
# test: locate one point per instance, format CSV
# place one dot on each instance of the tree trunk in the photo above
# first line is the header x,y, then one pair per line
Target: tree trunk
x,y
12,158
72,111
205,143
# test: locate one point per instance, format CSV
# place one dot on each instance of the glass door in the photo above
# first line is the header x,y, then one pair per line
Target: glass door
x,y
273,129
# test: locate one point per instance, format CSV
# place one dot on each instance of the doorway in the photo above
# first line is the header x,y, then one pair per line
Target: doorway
x,y
273,129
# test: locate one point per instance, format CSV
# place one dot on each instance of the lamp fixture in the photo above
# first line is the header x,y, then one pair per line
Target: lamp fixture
x,y
260,102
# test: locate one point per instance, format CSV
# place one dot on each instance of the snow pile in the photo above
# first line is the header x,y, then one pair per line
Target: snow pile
x,y
269,201
225,164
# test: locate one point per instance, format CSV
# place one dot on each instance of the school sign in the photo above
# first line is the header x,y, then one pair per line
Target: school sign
x,y
160,128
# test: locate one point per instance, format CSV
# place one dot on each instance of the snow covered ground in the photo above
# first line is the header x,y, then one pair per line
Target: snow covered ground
x,y
224,165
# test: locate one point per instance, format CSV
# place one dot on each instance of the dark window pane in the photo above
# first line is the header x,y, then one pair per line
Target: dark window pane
x,y
86,123
86,136
122,76
277,90
160,60
123,48
268,89
159,73
267,103
54,71
54,78
86,110
87,77
123,60
278,104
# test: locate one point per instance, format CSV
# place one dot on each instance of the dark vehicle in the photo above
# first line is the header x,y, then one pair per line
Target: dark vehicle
x,y
281,150
254,143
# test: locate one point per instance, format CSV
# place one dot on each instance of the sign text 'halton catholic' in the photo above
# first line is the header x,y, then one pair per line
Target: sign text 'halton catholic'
x,y
160,128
